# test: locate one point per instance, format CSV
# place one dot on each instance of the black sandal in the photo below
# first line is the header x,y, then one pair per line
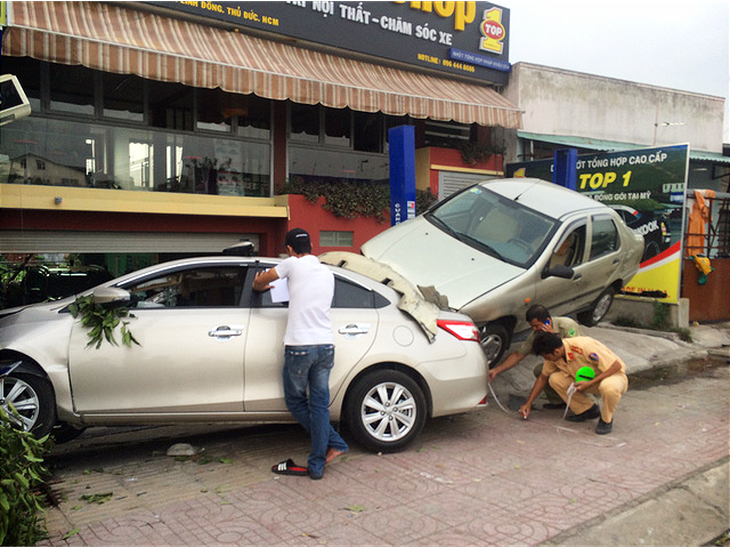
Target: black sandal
x,y
289,468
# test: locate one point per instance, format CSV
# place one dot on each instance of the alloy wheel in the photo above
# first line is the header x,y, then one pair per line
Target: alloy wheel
x,y
388,411
19,401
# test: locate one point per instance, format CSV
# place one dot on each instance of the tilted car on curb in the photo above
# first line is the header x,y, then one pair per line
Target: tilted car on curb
x,y
210,350
499,246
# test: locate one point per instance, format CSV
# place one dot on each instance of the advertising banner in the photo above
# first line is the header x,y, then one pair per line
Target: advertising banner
x,y
647,188
465,38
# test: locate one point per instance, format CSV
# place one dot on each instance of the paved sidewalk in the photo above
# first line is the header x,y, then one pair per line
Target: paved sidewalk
x,y
482,478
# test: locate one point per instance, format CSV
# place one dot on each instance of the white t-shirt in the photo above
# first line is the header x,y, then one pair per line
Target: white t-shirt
x,y
311,288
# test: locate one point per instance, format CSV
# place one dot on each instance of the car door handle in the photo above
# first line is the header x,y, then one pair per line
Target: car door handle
x,y
577,276
224,332
616,261
354,329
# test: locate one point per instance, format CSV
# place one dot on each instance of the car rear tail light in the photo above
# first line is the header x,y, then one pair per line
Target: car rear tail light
x,y
464,331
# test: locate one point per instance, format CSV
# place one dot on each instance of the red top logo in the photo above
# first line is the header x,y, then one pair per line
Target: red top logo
x,y
493,30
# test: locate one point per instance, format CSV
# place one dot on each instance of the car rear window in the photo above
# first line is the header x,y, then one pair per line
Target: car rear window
x,y
348,294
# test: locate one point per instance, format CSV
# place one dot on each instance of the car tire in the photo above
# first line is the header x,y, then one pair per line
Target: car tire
x,y
599,308
379,423
32,398
495,339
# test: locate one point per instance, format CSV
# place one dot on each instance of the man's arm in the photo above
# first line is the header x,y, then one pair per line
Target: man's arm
x,y
538,387
508,363
262,280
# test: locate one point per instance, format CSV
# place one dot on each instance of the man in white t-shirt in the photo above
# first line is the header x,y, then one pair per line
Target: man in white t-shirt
x,y
309,350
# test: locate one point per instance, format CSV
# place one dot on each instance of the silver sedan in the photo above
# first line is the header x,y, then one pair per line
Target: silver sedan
x,y
499,246
210,349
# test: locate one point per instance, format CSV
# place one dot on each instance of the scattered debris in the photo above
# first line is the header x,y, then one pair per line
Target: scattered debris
x,y
183,450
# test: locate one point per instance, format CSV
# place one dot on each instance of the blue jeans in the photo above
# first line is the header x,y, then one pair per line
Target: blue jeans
x,y
311,365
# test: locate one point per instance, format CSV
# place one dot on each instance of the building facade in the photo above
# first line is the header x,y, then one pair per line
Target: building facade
x,y
161,129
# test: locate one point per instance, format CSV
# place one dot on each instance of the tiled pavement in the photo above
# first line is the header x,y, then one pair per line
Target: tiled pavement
x,y
484,478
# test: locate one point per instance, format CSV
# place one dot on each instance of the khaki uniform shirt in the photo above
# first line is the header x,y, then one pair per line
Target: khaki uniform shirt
x,y
562,325
582,351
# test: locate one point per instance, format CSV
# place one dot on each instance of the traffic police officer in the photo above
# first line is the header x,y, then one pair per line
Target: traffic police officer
x,y
540,320
563,359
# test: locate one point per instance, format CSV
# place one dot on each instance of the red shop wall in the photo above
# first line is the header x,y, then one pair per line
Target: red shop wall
x,y
314,218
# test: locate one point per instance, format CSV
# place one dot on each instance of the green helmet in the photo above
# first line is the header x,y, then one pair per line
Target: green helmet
x,y
585,373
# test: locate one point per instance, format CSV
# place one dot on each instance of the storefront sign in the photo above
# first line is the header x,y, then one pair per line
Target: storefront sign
x,y
466,38
647,188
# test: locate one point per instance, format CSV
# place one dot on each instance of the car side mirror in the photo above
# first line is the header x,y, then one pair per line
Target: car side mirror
x,y
559,271
111,296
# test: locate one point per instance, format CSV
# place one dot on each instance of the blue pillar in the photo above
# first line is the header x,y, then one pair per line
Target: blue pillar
x,y
565,172
401,142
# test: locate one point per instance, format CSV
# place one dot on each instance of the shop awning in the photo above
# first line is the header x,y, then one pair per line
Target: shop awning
x,y
110,37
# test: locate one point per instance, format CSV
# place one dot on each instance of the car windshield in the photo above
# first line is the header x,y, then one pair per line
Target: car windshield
x,y
495,225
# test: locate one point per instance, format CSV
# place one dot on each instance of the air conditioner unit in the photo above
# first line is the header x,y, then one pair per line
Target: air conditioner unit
x,y
14,105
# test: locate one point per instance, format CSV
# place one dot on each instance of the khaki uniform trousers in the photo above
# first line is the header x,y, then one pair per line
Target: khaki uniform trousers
x,y
551,395
610,389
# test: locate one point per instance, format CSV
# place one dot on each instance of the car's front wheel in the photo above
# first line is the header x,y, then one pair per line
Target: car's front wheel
x,y
599,308
386,410
28,400
494,339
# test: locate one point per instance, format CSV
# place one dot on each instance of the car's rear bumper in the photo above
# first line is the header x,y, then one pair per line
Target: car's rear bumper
x,y
457,386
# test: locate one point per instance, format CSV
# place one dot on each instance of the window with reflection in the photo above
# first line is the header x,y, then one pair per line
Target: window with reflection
x,y
62,149
171,105
63,153
72,89
220,111
321,164
216,109
605,237
304,123
123,96
337,126
368,133
149,135
255,122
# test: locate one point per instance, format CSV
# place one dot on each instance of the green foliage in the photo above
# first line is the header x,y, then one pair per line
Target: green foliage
x,y
660,322
101,321
627,321
684,333
21,474
350,200
473,153
661,316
